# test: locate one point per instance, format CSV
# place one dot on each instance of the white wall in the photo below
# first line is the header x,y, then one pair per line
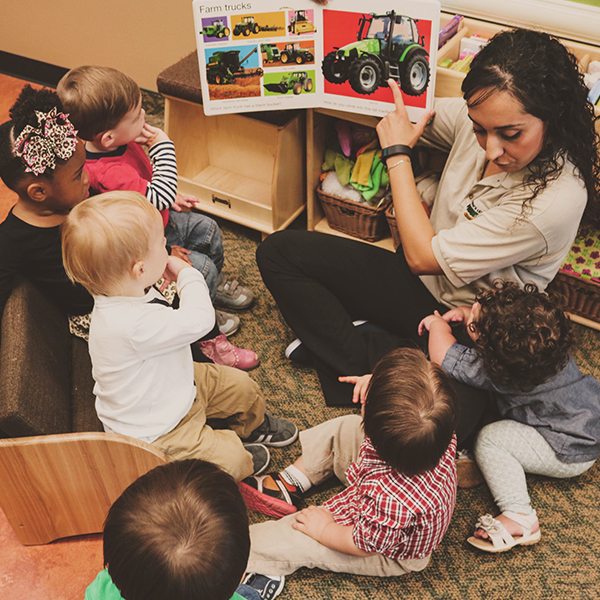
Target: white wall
x,y
140,38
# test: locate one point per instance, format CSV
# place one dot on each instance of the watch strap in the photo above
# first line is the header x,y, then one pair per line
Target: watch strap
x,y
395,150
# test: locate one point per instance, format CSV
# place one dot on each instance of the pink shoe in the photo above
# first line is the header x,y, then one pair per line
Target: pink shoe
x,y
222,352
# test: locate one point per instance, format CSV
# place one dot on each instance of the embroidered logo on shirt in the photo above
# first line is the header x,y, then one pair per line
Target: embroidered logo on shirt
x,y
472,211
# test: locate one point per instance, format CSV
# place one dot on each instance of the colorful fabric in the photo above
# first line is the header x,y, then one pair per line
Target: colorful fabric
x,y
584,256
40,147
392,514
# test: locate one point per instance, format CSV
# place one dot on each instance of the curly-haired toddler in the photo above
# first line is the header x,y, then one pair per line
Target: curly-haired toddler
x,y
550,411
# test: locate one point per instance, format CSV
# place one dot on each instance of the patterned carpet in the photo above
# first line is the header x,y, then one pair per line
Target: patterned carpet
x,y
564,565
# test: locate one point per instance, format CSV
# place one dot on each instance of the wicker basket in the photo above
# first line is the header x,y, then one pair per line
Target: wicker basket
x,y
391,219
352,218
579,296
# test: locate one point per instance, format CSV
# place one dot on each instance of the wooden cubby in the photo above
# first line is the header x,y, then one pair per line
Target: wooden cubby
x,y
246,168
447,85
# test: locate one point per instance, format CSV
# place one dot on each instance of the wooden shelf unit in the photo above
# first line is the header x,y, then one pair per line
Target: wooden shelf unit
x,y
246,168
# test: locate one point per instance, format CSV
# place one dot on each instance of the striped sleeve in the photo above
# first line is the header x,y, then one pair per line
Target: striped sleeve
x,y
162,190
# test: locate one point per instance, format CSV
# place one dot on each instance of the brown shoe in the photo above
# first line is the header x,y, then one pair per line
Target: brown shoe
x,y
467,471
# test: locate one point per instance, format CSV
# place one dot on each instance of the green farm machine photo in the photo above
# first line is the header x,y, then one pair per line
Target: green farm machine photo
x,y
217,29
225,65
249,25
387,47
296,82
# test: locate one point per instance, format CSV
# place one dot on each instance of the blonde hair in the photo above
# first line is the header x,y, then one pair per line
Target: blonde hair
x,y
97,98
104,236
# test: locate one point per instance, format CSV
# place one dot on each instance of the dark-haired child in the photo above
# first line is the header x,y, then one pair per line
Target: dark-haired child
x,y
180,532
550,412
398,465
106,107
42,160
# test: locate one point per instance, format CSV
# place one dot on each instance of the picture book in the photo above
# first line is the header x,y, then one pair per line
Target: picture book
x,y
258,55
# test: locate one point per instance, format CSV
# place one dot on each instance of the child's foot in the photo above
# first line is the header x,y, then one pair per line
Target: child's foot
x,y
505,531
468,474
230,294
261,457
267,587
270,495
274,432
222,352
227,323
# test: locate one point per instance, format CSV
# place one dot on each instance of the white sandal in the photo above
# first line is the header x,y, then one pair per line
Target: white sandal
x,y
499,538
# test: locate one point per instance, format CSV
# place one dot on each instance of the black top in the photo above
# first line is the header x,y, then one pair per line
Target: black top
x,y
35,253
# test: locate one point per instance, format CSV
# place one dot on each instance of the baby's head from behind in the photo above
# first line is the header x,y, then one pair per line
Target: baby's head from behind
x,y
179,532
111,238
40,156
102,102
410,411
521,335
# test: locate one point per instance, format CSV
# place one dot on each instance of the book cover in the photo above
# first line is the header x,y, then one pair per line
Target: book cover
x,y
259,55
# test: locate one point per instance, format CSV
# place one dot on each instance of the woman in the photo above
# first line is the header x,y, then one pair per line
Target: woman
x,y
522,164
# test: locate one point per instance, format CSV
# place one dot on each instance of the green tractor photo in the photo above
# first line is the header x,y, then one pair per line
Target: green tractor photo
x,y
294,53
217,29
297,82
387,47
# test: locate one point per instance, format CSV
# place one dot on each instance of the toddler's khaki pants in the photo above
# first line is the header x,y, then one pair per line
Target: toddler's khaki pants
x,y
221,393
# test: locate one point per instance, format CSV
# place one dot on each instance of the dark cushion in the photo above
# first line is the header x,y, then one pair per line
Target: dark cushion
x,y
34,366
83,409
182,80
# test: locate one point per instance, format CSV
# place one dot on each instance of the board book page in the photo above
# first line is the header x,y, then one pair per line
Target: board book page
x,y
260,55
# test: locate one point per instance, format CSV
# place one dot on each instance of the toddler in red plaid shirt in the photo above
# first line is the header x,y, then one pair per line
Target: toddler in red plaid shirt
x,y
397,463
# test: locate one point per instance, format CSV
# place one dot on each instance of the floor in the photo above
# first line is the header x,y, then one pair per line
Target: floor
x,y
61,570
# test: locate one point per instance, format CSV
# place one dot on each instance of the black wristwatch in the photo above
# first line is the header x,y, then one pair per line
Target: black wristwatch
x,y
395,150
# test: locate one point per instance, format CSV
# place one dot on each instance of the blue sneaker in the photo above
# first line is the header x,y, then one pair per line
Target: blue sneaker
x,y
267,586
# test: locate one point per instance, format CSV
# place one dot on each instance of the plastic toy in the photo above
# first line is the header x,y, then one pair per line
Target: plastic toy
x,y
217,29
300,24
296,82
224,66
387,46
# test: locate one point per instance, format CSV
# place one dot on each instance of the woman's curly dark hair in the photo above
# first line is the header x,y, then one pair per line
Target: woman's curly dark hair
x,y
22,113
523,336
545,78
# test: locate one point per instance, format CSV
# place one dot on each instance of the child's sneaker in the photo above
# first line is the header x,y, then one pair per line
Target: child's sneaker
x,y
222,352
274,432
261,457
227,323
230,294
268,587
285,500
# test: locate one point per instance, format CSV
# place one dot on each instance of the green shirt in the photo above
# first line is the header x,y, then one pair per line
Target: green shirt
x,y
103,588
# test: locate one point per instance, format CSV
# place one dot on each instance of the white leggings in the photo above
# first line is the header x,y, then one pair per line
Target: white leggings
x,y
506,450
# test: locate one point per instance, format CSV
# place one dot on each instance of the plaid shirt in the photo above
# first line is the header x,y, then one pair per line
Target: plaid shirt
x,y
395,515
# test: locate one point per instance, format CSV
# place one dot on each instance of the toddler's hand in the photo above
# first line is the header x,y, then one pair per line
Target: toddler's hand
x,y
151,136
186,201
312,521
455,315
425,324
181,253
174,267
360,386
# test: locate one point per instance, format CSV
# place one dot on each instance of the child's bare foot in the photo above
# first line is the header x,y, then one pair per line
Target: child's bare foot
x,y
511,526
